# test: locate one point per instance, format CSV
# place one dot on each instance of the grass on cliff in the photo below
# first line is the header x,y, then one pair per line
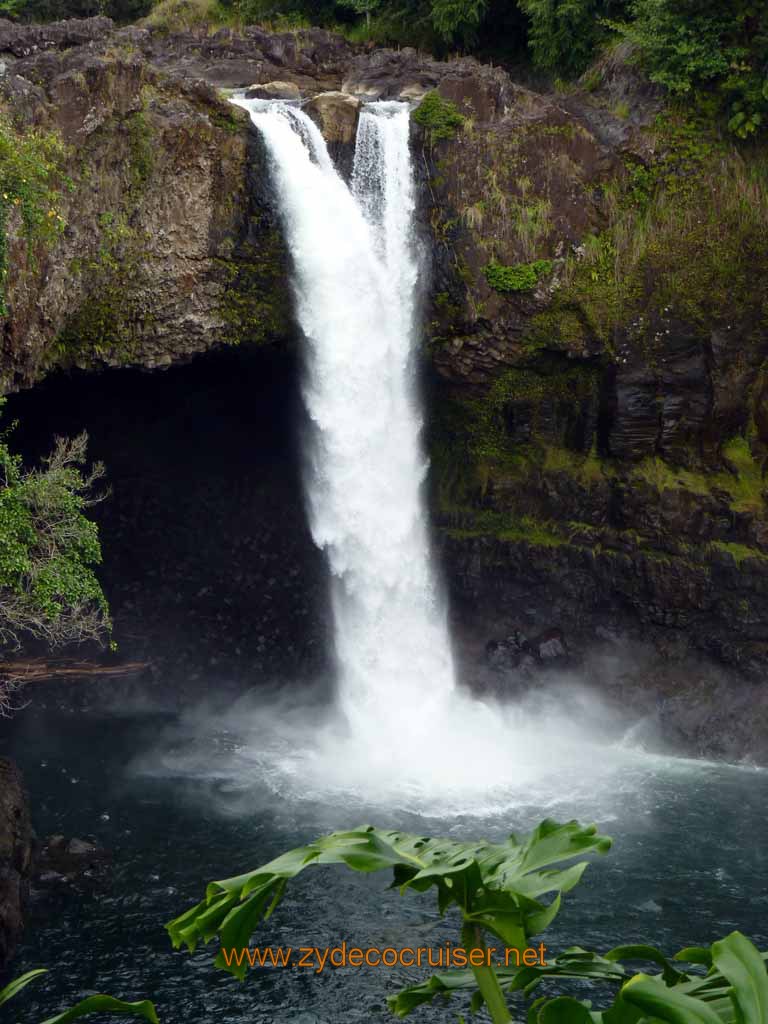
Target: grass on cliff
x,y
32,181
685,239
183,15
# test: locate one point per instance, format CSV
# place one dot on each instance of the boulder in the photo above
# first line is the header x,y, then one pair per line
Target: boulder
x,y
336,115
274,91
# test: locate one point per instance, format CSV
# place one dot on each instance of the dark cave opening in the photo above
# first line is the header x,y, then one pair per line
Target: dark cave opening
x,y
209,566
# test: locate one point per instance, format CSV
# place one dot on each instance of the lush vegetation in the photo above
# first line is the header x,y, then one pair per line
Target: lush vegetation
x,y
53,10
31,182
439,117
48,550
519,278
497,889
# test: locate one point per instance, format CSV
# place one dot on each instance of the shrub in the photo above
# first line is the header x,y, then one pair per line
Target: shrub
x,y
521,277
439,117
48,548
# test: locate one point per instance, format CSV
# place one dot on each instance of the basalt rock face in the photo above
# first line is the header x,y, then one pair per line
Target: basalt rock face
x,y
600,337
16,841
171,243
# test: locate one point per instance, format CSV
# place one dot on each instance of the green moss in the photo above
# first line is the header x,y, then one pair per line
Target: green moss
x,y
739,552
506,526
256,302
227,120
587,469
659,474
141,150
111,321
743,481
32,182
440,118
520,277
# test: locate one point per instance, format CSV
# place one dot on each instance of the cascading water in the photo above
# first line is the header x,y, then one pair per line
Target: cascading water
x,y
408,729
355,275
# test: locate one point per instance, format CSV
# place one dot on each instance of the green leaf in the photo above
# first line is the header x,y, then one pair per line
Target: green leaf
x,y
564,1010
740,962
15,986
667,1004
643,952
695,955
105,1004
496,886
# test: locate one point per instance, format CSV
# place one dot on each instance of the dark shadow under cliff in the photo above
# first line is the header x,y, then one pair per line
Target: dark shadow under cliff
x,y
209,566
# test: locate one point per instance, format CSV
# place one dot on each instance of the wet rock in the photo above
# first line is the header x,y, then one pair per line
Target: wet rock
x,y
550,647
274,91
16,848
502,655
336,115
66,860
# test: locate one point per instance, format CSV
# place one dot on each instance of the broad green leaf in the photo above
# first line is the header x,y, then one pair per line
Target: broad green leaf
x,y
738,960
496,886
643,952
572,963
695,955
18,984
564,1010
105,1004
666,1004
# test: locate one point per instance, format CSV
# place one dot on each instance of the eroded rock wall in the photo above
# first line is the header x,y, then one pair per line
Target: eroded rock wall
x,y
15,857
600,334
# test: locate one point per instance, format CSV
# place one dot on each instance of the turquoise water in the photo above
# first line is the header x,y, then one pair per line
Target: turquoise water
x,y
688,865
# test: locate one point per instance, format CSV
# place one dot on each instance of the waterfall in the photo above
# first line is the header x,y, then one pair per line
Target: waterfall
x,y
355,276
407,733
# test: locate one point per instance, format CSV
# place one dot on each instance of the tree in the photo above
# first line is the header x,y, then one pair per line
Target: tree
x,y
690,45
563,35
458,19
365,7
48,549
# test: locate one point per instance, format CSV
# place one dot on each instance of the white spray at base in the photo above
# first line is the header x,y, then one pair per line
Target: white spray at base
x,y
407,729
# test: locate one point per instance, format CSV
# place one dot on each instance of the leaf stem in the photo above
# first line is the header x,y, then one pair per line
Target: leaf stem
x,y
486,978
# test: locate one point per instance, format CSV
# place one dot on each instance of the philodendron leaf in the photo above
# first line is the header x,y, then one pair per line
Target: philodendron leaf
x,y
564,1010
572,963
105,1004
495,885
695,955
738,960
644,952
659,1002
19,983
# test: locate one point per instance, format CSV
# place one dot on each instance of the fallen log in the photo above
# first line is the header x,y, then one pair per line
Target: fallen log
x,y
31,670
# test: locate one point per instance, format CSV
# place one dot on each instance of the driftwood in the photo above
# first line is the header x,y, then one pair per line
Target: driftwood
x,y
34,670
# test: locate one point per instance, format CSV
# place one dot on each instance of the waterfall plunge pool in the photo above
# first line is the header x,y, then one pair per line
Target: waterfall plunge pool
x,y
175,804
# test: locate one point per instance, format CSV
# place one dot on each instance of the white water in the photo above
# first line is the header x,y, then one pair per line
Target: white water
x,y
407,731
355,276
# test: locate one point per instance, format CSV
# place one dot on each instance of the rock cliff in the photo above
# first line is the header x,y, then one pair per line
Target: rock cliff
x,y
595,315
15,858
